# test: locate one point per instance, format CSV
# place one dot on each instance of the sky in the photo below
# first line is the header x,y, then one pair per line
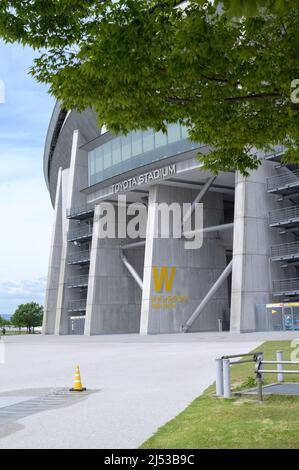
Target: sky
x,y
26,213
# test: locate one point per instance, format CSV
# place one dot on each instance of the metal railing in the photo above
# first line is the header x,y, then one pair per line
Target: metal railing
x,y
275,151
286,286
286,180
260,371
85,231
79,257
78,281
284,250
284,216
223,364
77,305
79,211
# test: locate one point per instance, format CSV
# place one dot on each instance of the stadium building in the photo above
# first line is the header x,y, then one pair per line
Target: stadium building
x,y
243,278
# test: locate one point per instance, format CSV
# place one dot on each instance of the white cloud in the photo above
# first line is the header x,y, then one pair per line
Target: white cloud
x,y
25,208
23,289
13,294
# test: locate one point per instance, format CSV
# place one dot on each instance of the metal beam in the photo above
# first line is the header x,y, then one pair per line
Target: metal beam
x,y
213,228
208,297
199,197
127,246
132,271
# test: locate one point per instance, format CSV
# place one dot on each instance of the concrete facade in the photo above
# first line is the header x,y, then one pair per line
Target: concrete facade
x,y
195,270
99,285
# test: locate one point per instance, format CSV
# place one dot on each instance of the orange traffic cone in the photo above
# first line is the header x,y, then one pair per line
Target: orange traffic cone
x,y
77,382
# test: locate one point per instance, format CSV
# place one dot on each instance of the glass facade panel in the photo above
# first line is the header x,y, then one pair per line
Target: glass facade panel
x,y
174,133
116,151
99,159
160,139
184,132
126,146
107,155
136,143
148,140
124,153
91,164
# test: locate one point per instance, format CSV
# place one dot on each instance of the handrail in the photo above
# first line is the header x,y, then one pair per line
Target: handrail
x,y
240,355
79,210
79,256
289,179
276,150
284,215
223,385
78,304
78,281
80,232
261,371
281,286
285,249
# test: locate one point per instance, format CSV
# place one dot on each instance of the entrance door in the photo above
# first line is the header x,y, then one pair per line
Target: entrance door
x,y
296,317
288,320
76,325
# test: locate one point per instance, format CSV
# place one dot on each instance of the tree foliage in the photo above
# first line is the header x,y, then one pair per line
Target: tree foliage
x,y
28,315
141,64
4,322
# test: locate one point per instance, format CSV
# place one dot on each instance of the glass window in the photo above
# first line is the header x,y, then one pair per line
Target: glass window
x,y
91,166
116,151
160,139
104,161
148,140
99,159
174,133
91,163
107,154
126,146
136,143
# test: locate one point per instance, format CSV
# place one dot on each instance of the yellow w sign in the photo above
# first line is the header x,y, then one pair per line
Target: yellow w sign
x,y
164,277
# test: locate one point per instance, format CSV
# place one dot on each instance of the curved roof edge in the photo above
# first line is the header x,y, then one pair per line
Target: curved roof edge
x,y
56,122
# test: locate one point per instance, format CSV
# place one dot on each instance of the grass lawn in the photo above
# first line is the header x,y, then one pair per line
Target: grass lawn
x,y
240,422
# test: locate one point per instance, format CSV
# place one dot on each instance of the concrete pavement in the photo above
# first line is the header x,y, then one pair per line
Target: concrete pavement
x,y
140,382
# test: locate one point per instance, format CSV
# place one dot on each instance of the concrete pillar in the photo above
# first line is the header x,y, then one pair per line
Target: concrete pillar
x,y
252,269
54,262
195,270
76,179
114,298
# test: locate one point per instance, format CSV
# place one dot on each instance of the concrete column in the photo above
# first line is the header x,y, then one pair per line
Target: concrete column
x,y
114,298
54,262
195,270
252,270
76,179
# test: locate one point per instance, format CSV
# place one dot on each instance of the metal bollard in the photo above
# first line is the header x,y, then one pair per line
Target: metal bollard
x,y
259,386
226,378
220,324
219,377
260,357
279,357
